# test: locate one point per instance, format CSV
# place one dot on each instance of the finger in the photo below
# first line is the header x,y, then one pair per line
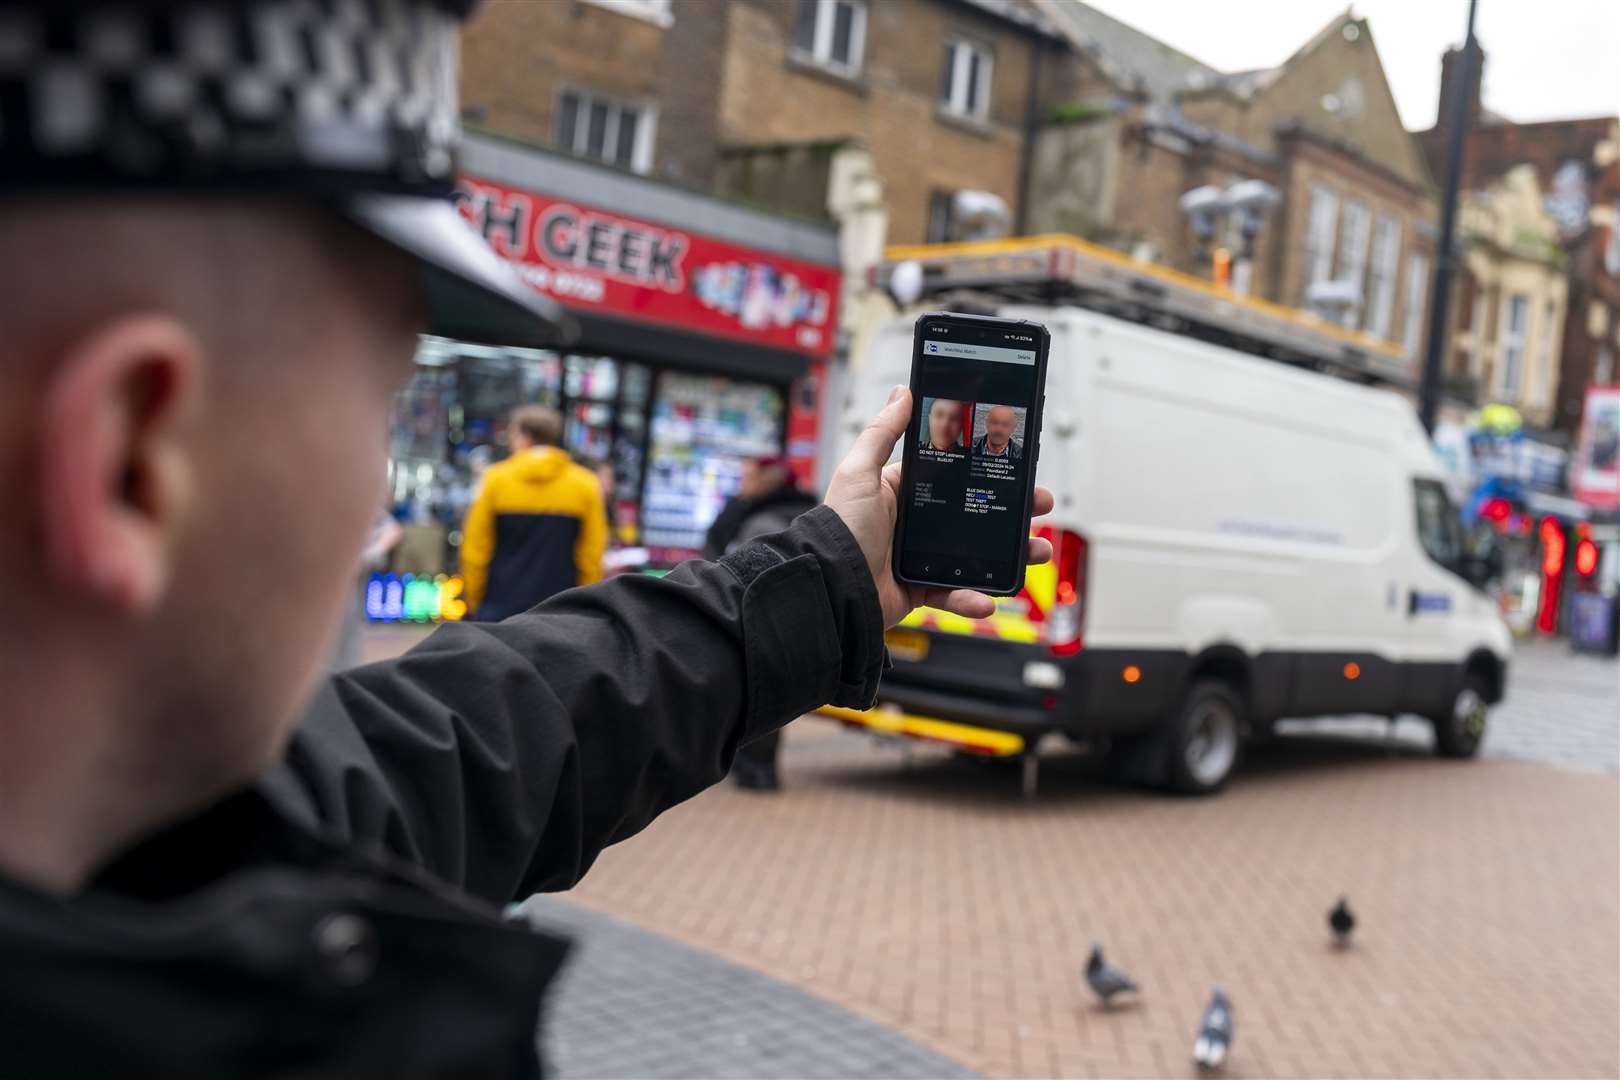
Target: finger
x,y
965,602
1040,551
1043,500
876,443
891,475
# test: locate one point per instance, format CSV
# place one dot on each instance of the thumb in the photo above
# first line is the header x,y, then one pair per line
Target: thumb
x,y
871,451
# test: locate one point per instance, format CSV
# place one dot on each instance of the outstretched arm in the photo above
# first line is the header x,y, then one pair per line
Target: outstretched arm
x,y
504,757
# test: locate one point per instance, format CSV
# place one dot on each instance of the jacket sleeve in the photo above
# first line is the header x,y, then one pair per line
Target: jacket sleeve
x,y
592,541
478,544
505,756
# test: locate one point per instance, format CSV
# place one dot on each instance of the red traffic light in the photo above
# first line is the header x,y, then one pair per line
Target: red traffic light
x,y
1586,558
1553,547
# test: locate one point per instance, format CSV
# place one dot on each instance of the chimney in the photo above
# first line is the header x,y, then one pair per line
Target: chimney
x,y
1450,67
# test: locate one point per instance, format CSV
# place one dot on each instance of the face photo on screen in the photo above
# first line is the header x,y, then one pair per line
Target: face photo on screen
x,y
942,425
999,431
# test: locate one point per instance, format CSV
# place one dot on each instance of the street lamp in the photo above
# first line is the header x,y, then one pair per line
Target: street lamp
x,y
1249,201
1203,207
1245,203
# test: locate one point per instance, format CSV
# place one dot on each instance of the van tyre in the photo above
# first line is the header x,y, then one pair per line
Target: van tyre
x,y
1204,739
1460,733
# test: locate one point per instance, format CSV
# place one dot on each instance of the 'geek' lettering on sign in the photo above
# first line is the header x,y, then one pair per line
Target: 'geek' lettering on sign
x,y
644,255
590,258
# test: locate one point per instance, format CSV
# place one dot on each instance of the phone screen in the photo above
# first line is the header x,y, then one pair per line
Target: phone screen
x,y
969,458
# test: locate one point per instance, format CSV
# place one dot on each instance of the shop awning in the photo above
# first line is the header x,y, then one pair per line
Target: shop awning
x,y
655,271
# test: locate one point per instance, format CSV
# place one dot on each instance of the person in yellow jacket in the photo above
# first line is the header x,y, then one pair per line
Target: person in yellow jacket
x,y
537,526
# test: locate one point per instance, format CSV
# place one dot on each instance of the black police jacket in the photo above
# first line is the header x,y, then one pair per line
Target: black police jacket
x,y
343,919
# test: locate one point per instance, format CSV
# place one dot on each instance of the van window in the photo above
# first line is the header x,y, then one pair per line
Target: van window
x,y
1438,529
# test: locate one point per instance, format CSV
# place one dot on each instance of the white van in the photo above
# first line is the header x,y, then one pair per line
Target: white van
x,y
1238,541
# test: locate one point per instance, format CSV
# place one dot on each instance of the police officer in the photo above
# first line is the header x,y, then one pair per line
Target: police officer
x,y
222,225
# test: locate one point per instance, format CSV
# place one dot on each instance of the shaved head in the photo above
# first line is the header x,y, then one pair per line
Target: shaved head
x,y
193,443
246,277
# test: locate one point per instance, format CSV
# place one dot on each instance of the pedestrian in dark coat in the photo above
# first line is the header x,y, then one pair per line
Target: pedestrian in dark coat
x,y
768,501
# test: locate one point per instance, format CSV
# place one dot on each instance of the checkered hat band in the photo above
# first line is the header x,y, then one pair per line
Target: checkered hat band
x,y
297,94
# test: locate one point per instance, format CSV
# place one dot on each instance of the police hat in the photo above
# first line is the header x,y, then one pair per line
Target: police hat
x,y
348,102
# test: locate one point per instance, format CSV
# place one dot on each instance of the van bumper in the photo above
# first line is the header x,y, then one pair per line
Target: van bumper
x,y
979,681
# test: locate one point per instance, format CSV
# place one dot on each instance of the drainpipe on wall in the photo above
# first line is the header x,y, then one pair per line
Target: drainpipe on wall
x,y
1026,157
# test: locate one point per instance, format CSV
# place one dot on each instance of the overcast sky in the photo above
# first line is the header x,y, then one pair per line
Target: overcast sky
x,y
1545,59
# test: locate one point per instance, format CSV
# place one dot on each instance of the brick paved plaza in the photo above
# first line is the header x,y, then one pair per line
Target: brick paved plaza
x,y
936,901
924,894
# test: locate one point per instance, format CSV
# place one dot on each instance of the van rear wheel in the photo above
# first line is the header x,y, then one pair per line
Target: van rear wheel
x,y
1204,739
1459,734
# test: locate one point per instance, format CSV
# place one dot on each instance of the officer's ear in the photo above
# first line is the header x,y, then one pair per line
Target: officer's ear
x,y
114,479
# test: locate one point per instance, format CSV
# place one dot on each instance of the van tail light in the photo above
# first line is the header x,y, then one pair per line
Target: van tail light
x,y
1065,622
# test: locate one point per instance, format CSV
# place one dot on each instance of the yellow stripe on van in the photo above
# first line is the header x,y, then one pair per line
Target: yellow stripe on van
x,y
1014,627
1041,584
1011,622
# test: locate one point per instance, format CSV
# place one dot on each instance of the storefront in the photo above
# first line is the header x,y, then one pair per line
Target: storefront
x,y
1594,605
1511,486
704,333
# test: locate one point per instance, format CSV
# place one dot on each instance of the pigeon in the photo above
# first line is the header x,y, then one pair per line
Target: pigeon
x,y
1342,923
1104,979
1214,1033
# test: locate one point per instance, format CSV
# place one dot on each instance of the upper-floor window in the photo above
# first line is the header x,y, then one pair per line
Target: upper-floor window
x,y
1541,382
1515,323
1479,357
1386,255
1417,291
831,33
965,87
1321,222
606,130
1355,231
659,12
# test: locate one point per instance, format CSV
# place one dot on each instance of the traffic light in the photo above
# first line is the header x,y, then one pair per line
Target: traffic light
x,y
1554,548
1586,558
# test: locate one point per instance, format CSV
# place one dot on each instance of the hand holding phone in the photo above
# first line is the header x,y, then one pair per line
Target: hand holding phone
x,y
865,494
968,467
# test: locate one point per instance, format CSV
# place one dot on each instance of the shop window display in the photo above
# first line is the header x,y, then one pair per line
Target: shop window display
x,y
669,445
703,429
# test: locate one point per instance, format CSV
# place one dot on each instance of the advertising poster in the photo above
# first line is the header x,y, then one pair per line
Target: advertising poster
x,y
1595,475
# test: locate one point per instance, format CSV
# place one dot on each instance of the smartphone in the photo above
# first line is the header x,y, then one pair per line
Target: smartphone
x,y
967,480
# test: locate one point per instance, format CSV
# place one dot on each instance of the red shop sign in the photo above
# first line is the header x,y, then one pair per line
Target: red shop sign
x,y
595,261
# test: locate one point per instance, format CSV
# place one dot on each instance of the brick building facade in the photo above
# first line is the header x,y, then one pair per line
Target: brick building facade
x,y
939,91
1356,202
1575,165
1512,300
570,74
